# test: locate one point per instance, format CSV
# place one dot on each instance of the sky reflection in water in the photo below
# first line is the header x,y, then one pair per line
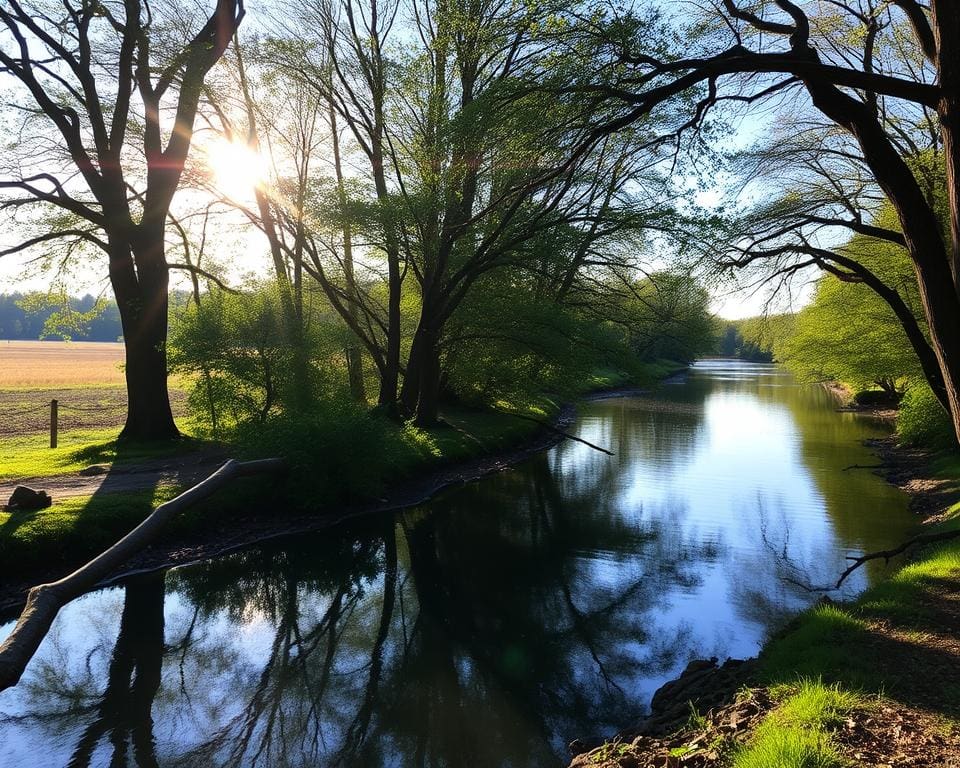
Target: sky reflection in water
x,y
491,626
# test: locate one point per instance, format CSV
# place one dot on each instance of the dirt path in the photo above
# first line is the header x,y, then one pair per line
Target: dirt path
x,y
181,471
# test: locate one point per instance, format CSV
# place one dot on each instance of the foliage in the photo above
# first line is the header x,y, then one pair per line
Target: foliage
x,y
922,420
237,350
507,344
667,317
849,333
337,452
38,315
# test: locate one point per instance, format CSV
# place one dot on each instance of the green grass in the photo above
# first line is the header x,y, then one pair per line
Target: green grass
x,y
71,531
32,456
81,525
789,748
797,733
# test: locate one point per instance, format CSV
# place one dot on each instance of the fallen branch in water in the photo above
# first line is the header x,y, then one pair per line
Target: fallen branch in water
x,y
863,466
45,600
886,554
559,431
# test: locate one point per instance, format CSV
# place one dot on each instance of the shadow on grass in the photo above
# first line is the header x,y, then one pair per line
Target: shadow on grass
x,y
121,453
901,639
46,544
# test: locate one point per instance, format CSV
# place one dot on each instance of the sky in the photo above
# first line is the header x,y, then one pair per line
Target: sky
x,y
243,251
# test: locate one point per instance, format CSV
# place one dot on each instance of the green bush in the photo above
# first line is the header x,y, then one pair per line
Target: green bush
x,y
243,362
922,420
336,452
877,398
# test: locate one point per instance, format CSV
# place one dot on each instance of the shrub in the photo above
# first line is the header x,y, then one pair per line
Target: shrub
x,y
922,420
336,452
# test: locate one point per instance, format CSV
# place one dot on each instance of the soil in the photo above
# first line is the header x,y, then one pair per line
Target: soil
x,y
915,723
27,411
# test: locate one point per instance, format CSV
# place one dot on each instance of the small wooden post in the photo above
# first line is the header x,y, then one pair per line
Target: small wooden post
x,y
53,423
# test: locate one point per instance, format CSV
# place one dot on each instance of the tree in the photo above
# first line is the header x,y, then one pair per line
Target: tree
x,y
773,50
830,194
112,90
452,147
849,333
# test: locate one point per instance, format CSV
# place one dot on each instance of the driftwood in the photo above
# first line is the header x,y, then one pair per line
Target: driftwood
x,y
886,554
45,600
559,431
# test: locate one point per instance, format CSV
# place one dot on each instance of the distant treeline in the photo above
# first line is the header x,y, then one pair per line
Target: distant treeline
x,y
753,338
33,316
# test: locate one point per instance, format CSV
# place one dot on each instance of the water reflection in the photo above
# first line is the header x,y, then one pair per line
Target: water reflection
x,y
490,626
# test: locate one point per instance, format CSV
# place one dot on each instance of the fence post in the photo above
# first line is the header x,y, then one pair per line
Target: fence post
x,y
53,423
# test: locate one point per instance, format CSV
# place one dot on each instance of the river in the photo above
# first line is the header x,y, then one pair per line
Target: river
x,y
492,625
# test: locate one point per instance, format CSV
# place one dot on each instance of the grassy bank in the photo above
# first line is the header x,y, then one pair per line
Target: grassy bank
x,y
895,648
337,458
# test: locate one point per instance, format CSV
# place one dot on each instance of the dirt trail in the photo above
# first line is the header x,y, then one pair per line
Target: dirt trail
x,y
102,478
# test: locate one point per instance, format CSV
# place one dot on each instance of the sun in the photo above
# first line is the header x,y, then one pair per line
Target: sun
x,y
236,168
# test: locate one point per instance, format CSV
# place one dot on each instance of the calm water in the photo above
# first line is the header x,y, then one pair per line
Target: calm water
x,y
491,626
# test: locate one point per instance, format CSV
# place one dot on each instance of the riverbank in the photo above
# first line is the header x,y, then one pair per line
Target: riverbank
x,y
874,682
44,545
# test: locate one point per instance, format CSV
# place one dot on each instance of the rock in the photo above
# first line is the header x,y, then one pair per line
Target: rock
x,y
25,499
676,691
93,470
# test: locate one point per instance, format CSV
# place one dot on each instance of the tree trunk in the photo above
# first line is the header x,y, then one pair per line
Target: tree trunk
x,y
421,385
931,256
946,27
354,354
142,300
389,381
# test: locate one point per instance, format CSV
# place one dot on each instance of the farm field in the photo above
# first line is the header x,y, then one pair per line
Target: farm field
x,y
60,364
85,378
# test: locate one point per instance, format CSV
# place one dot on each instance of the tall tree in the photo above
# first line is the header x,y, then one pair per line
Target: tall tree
x,y
831,194
827,55
112,89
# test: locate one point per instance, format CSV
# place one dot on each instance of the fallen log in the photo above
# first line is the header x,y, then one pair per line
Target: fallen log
x,y
44,601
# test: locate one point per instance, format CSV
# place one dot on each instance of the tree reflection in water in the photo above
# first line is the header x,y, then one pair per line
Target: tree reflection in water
x,y
424,642
484,629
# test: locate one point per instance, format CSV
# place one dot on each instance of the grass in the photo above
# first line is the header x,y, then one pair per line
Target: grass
x,y
30,456
797,733
53,536
68,533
